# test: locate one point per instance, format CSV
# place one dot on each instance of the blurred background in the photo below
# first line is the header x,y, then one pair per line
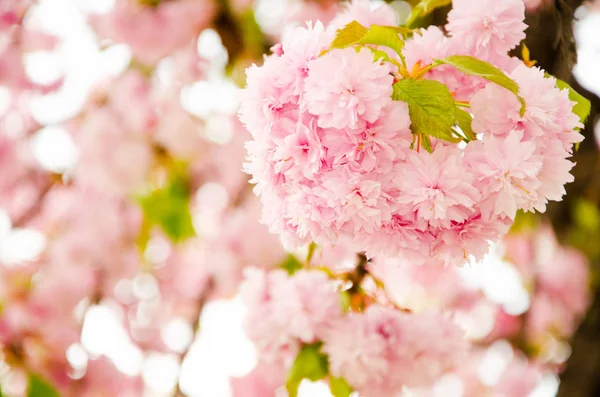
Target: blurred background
x,y
126,221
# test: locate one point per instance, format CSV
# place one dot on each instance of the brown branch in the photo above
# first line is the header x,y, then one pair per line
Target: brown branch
x,y
30,213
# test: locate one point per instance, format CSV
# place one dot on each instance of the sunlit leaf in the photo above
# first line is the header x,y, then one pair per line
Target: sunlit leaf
x,y
310,364
587,215
431,107
464,121
356,34
424,8
169,208
475,67
339,387
291,264
39,387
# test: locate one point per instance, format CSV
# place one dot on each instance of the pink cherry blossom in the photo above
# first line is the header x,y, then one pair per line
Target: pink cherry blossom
x,y
363,347
285,311
487,28
507,169
343,86
436,187
155,32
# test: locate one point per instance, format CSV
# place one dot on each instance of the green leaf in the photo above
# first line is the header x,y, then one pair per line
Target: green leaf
x,y
310,364
339,387
356,34
349,35
582,106
424,8
291,264
379,55
169,208
586,215
464,121
345,301
431,107
475,67
39,387
426,142
524,221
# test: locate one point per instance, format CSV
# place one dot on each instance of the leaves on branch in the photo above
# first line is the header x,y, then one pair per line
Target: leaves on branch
x,y
431,107
464,121
310,364
475,67
424,8
356,34
291,264
169,207
39,387
339,387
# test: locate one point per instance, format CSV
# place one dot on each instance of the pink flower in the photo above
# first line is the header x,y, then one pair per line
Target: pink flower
x,y
487,28
507,170
344,87
267,103
499,118
155,32
437,187
382,350
284,311
110,158
470,238
376,146
299,48
301,152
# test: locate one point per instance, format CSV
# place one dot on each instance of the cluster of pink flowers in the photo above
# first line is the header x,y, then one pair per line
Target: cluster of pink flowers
x,y
285,311
366,348
559,278
331,152
154,31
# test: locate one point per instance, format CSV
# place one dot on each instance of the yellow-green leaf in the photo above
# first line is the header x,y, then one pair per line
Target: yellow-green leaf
x,y
339,387
169,208
349,35
39,387
464,121
310,364
424,8
475,67
356,34
291,264
431,107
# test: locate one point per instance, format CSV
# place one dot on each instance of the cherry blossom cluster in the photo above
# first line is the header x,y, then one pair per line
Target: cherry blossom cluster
x,y
287,312
425,327
334,155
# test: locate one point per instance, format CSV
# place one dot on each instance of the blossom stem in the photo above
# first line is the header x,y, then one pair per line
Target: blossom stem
x,y
311,252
